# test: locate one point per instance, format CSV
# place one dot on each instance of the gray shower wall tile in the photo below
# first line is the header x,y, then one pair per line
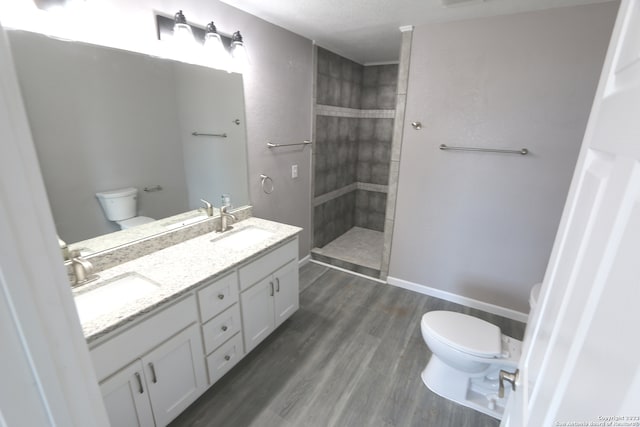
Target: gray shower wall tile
x,y
339,80
379,86
384,130
333,218
321,129
334,91
366,129
386,97
336,153
353,130
370,75
345,93
370,209
356,96
388,74
369,97
380,173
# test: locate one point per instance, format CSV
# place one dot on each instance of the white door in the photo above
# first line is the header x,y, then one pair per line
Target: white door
x,y
580,360
287,291
175,374
126,398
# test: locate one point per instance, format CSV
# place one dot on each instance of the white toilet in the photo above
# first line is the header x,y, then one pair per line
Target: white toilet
x,y
120,206
468,354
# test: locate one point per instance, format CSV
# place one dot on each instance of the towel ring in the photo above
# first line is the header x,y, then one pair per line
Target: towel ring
x,y
266,182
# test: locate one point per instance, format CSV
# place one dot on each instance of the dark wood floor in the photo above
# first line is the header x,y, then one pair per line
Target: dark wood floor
x,y
351,356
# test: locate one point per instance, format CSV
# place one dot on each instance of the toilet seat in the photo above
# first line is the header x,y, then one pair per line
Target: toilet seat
x,y
132,222
464,333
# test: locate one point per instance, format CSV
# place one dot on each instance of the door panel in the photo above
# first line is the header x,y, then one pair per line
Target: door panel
x,y
257,312
287,292
126,398
175,374
580,358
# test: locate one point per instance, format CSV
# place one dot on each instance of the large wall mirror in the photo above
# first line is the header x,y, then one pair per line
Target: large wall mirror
x,y
105,119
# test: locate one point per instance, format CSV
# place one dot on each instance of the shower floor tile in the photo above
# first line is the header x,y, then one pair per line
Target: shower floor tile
x,y
359,246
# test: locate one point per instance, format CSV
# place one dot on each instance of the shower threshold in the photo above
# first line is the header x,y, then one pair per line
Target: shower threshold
x,y
358,250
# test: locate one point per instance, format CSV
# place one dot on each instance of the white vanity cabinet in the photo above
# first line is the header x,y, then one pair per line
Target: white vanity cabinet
x,y
269,292
152,368
163,368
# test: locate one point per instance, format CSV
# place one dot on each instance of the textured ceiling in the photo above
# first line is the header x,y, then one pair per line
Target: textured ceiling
x,y
366,31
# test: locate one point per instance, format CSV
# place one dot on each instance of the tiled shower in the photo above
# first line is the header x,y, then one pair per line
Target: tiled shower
x,y
354,115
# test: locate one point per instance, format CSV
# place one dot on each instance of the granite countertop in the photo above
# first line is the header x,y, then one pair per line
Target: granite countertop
x,y
178,269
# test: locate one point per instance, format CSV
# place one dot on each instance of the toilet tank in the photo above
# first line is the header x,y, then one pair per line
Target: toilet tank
x,y
119,204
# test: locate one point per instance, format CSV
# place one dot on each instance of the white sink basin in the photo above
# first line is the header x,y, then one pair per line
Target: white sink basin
x,y
112,295
242,238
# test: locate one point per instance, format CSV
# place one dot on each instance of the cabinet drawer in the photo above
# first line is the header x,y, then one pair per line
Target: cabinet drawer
x,y
221,328
218,296
223,359
267,264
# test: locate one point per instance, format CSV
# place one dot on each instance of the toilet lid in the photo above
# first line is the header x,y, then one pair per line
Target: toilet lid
x,y
464,333
136,220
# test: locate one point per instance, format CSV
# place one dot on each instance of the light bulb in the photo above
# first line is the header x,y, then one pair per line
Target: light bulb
x,y
215,53
182,34
238,52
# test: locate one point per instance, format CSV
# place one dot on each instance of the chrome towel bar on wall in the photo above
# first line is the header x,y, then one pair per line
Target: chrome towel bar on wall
x,y
522,151
272,145
220,135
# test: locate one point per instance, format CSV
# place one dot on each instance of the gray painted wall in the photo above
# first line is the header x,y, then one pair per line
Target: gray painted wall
x,y
482,225
99,128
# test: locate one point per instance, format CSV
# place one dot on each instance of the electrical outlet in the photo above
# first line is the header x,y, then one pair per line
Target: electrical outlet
x,y
294,171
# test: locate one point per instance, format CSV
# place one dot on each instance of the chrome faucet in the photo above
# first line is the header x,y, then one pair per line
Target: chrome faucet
x,y
208,207
224,217
82,269
64,249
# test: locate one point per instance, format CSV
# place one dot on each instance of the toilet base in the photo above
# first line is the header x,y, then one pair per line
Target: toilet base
x,y
475,391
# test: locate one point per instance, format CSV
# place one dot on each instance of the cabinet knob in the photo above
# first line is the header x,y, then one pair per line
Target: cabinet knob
x,y
224,328
227,357
220,296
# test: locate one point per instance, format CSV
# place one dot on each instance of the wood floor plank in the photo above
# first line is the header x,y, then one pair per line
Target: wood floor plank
x,y
351,356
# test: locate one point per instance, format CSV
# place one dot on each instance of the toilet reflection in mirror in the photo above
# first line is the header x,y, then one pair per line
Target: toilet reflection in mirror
x,y
121,207
104,119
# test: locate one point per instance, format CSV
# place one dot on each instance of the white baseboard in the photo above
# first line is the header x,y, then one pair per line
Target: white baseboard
x,y
315,261
302,262
459,299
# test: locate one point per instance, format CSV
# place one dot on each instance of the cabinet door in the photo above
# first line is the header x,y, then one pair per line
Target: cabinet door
x,y
126,397
257,312
176,374
287,292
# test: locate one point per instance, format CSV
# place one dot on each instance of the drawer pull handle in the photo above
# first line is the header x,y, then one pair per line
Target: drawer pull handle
x,y
224,328
271,284
277,284
140,388
220,296
227,358
154,378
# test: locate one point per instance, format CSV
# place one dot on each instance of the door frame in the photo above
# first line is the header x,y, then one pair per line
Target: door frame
x,y
34,284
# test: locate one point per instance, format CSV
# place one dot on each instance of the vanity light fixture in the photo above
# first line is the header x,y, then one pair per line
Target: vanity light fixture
x,y
218,50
